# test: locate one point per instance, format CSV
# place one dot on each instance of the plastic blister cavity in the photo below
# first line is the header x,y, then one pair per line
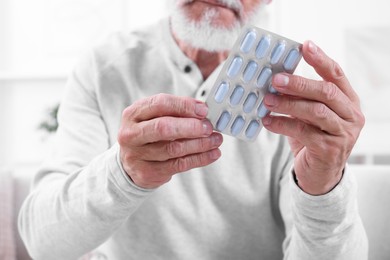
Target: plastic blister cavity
x,y
236,99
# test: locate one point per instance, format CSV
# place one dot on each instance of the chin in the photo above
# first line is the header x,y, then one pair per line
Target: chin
x,y
209,32
209,27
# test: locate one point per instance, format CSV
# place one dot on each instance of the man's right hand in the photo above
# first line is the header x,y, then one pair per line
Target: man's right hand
x,y
163,135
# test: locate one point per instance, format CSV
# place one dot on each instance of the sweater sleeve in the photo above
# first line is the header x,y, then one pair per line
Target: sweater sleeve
x,y
81,195
323,227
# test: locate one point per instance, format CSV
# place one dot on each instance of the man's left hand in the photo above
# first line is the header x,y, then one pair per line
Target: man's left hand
x,y
323,123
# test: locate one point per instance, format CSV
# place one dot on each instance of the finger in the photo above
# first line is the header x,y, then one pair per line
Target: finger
x,y
331,150
158,173
328,69
307,134
163,151
165,105
322,91
166,129
314,113
186,163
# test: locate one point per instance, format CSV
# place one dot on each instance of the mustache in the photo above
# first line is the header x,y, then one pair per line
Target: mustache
x,y
235,5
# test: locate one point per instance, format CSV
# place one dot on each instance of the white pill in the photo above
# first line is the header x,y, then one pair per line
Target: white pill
x,y
221,92
223,121
263,46
237,126
292,60
262,111
277,53
250,71
250,102
248,42
252,129
234,67
264,77
236,96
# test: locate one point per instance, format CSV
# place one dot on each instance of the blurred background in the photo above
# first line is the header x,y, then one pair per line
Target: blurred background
x,y
41,40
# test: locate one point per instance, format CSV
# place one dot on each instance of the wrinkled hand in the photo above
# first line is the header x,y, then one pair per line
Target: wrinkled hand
x,y
324,120
163,135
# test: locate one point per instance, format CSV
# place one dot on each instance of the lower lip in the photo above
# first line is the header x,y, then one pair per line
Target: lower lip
x,y
213,4
224,11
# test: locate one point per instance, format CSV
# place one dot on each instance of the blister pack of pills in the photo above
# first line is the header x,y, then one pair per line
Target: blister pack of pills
x,y
236,100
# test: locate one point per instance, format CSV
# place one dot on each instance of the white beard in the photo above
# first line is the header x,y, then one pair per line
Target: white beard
x,y
202,34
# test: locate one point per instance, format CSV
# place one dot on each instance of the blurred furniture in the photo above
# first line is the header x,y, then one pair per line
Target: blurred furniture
x,y
7,238
13,189
373,201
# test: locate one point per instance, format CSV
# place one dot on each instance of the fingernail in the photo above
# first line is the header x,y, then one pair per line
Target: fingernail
x,y
312,48
207,128
281,80
215,154
216,139
201,109
267,120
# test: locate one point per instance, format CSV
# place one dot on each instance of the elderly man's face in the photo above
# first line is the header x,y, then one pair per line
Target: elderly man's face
x,y
225,13
212,25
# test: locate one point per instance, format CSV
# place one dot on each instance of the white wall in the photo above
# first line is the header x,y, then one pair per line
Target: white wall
x,y
24,104
50,34
4,32
41,40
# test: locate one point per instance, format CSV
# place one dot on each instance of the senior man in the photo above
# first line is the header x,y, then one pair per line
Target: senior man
x,y
111,180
